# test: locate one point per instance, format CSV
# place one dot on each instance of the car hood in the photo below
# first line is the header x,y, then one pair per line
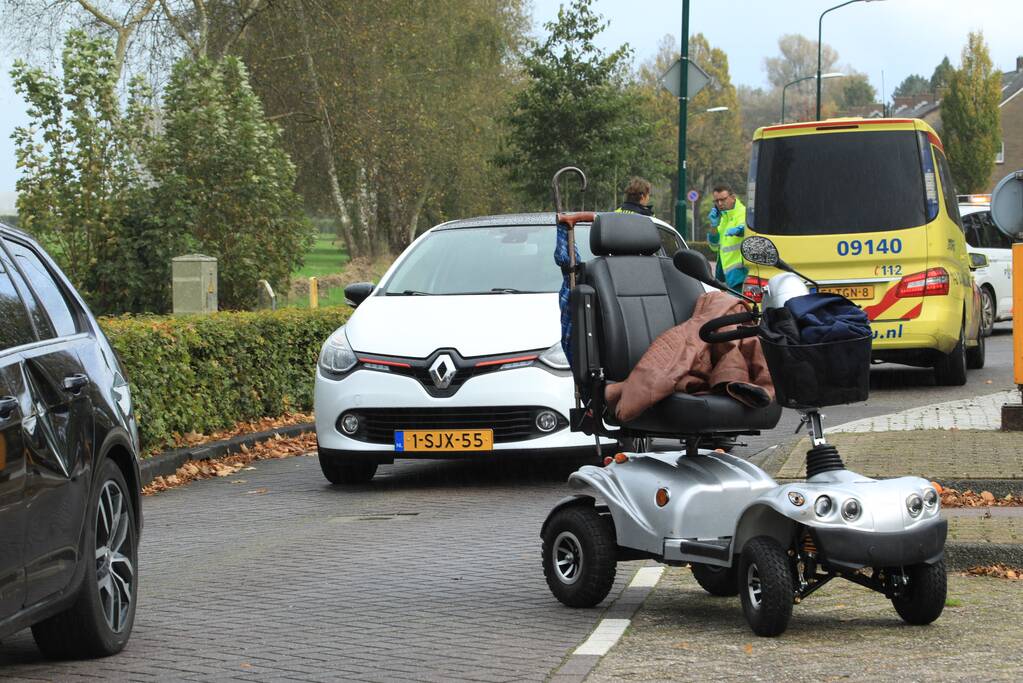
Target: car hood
x,y
473,325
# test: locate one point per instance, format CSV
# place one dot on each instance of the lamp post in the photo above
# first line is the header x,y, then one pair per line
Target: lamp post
x,y
833,74
820,23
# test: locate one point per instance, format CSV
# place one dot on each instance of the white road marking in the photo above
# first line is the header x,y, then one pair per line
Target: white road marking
x,y
603,638
647,577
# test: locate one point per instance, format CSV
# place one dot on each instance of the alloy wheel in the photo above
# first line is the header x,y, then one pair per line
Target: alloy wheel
x,y
115,572
568,557
754,586
987,312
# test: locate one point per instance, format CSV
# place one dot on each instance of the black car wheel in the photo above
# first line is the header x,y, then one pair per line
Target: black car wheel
x,y
720,581
975,355
767,588
923,597
950,370
579,555
99,622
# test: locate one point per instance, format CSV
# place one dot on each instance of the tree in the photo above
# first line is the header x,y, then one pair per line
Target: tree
x,y
798,58
79,161
575,109
912,85
223,178
941,76
389,115
855,91
971,118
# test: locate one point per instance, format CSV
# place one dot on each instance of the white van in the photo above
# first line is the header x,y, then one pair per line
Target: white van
x,y
983,237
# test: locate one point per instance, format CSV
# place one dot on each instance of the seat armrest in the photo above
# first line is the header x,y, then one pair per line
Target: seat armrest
x,y
585,351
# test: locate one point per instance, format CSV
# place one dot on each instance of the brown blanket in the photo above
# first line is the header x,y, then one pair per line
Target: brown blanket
x,y
679,360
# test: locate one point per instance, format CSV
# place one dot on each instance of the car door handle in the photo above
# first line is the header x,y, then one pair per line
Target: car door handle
x,y
75,383
7,406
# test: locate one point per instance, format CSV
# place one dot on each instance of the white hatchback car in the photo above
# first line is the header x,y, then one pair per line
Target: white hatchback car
x,y
995,279
456,352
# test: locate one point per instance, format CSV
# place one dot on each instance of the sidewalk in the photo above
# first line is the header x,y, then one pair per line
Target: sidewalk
x,y
845,631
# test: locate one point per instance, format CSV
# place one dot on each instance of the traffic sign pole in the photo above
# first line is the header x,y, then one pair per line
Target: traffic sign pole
x,y
683,103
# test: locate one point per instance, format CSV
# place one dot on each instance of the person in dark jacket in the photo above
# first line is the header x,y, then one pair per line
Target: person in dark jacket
x,y
637,198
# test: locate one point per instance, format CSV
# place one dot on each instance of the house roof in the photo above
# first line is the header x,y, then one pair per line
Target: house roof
x,y
1012,85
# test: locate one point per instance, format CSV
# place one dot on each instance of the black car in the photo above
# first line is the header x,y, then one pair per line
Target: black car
x,y
70,503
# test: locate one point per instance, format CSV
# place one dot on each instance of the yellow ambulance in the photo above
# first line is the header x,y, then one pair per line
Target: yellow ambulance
x,y
867,208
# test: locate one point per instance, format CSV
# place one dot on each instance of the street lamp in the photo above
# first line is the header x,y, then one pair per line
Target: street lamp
x,y
833,74
820,23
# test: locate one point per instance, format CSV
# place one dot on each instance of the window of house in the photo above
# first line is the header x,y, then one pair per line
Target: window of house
x,y
1000,155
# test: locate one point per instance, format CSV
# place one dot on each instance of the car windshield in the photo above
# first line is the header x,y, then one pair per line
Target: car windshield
x,y
511,259
826,184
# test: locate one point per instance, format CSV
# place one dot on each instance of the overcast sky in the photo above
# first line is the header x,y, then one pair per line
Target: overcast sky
x,y
890,37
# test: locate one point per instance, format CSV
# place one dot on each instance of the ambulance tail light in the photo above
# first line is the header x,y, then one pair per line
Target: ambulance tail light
x,y
753,287
932,282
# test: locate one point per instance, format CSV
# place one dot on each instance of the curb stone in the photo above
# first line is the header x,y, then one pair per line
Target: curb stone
x,y
168,462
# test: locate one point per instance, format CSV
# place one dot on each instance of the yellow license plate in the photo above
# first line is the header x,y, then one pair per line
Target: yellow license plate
x,y
444,440
854,292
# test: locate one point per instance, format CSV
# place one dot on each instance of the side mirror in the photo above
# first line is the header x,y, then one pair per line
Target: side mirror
x,y
695,265
356,293
760,250
978,261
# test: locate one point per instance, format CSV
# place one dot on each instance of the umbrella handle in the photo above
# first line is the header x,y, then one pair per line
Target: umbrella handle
x,y
569,220
557,191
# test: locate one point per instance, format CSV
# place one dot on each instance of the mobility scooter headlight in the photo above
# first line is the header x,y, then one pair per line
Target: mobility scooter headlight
x,y
915,504
930,497
851,510
822,506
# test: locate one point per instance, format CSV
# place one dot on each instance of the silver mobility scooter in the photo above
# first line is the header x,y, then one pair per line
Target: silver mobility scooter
x,y
740,531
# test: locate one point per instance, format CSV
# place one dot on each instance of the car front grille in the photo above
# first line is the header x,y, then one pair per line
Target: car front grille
x,y
510,423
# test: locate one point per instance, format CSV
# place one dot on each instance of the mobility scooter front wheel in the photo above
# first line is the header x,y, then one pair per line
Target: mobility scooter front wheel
x,y
579,555
720,581
766,586
922,598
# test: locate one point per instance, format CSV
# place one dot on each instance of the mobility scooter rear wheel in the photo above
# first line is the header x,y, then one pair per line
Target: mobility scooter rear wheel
x,y
579,555
720,581
922,599
766,586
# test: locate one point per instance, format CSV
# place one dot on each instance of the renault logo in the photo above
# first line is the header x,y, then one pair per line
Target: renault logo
x,y
442,371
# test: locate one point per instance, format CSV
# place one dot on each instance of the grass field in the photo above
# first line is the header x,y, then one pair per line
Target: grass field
x,y
325,258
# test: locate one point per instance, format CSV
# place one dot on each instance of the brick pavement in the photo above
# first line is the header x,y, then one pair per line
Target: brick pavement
x,y
430,573
933,453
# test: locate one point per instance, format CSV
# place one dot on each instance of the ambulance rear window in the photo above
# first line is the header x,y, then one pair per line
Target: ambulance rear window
x,y
835,183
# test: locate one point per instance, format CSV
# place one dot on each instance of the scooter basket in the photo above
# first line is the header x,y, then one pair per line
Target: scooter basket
x,y
818,375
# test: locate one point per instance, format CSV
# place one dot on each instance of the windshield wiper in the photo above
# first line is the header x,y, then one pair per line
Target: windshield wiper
x,y
409,292
511,290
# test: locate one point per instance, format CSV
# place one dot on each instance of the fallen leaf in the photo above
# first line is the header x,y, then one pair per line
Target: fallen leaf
x,y
748,648
987,495
260,491
245,665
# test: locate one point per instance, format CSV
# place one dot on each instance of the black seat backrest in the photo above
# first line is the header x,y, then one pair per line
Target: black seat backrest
x,y
639,295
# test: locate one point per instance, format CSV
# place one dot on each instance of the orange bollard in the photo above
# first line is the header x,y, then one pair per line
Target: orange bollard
x,y
1017,312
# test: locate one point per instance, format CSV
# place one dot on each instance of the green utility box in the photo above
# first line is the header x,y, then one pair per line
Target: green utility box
x,y
194,283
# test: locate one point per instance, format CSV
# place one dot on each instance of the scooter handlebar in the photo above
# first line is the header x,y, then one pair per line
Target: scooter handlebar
x,y
709,332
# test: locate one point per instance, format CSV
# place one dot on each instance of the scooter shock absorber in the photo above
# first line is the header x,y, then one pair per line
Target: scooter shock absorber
x,y
823,458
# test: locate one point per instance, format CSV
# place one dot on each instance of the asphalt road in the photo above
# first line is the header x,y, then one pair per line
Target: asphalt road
x,y
429,573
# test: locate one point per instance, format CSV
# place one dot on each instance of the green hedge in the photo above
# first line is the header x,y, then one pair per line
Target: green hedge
x,y
206,373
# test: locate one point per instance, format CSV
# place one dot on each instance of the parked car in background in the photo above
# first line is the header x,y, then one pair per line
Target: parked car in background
x,y
456,352
995,279
70,504
867,208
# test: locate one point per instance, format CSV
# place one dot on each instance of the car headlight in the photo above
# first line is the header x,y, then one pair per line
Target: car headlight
x,y
555,357
914,504
337,356
851,510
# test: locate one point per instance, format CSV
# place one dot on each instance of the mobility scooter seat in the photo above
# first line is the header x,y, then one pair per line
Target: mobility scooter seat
x,y
626,297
